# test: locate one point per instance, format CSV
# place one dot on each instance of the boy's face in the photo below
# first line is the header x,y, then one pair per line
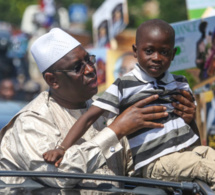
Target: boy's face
x,y
154,51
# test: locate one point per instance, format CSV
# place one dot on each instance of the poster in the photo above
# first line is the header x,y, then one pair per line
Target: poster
x,y
199,9
204,57
101,60
195,43
109,20
119,62
111,64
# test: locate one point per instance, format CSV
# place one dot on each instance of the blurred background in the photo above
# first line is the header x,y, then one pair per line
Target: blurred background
x,y
107,29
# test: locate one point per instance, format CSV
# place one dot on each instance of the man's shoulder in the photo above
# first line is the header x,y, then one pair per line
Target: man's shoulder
x,y
37,107
38,104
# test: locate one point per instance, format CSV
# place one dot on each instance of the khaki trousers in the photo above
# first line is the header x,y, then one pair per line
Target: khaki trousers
x,y
195,162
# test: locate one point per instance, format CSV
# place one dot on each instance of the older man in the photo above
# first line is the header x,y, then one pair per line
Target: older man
x,y
70,73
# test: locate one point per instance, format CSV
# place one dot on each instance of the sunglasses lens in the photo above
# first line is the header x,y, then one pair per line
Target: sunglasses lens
x,y
91,61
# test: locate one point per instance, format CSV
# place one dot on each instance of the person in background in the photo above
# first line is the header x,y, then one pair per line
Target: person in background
x,y
210,57
7,90
201,50
10,105
7,68
28,91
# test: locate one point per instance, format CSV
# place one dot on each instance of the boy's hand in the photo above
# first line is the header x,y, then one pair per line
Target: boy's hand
x,y
186,108
54,156
58,162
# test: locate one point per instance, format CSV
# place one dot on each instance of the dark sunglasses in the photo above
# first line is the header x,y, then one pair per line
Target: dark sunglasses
x,y
80,66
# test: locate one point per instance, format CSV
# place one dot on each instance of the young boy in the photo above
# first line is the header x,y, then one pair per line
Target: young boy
x,y
154,50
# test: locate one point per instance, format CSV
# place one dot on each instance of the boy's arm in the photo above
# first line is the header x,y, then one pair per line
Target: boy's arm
x,y
81,126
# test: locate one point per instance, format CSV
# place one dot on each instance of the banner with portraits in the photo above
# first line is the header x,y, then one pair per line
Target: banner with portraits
x,y
109,20
101,67
111,64
119,62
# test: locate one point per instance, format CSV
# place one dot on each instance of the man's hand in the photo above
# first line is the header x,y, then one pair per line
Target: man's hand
x,y
186,108
137,117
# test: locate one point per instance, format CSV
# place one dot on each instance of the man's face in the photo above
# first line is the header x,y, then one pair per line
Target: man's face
x,y
76,87
154,51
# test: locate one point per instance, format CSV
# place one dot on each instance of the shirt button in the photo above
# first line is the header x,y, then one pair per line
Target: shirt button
x,y
112,149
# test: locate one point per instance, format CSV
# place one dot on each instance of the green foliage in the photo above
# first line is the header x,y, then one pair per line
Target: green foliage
x,y
170,11
12,10
173,11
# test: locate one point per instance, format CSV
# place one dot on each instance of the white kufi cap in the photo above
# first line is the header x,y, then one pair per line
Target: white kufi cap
x,y
51,47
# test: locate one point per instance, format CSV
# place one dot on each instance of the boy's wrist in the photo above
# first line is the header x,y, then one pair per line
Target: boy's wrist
x,y
60,147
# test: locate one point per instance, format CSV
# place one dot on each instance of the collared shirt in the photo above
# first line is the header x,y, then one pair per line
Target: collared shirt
x,y
141,75
149,144
43,124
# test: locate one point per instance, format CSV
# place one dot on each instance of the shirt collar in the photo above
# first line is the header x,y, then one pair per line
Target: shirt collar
x,y
141,75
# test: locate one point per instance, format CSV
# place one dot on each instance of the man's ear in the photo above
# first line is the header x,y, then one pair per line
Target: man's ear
x,y
174,52
51,80
134,47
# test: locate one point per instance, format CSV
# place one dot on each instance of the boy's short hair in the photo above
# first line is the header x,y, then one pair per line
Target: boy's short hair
x,y
161,24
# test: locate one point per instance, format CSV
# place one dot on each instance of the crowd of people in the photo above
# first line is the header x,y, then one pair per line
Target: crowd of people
x,y
16,82
16,63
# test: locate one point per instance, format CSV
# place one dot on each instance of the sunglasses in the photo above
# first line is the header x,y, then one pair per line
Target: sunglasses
x,y
79,67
